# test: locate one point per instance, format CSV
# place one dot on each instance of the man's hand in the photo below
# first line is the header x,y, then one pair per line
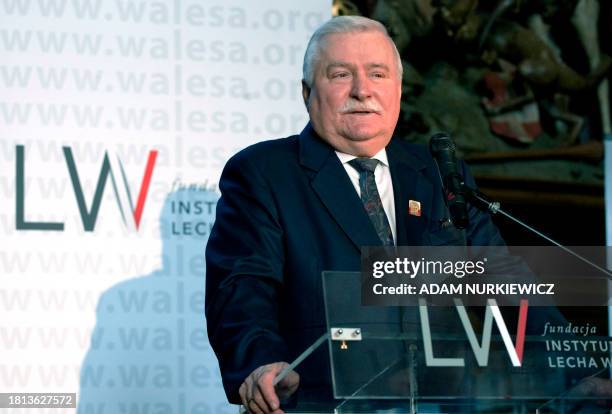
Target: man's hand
x,y
258,393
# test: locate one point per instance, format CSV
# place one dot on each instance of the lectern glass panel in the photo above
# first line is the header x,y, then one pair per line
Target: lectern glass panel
x,y
484,358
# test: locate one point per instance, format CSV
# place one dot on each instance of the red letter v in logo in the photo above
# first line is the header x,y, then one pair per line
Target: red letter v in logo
x,y
142,193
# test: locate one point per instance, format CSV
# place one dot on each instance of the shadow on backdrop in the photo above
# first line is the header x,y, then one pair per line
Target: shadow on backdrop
x,y
149,351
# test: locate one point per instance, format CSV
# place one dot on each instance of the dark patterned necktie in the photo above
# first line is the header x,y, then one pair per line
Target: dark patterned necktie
x,y
371,199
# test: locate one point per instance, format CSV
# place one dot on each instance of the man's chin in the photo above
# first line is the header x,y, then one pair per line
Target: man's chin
x,y
370,138
365,144
363,135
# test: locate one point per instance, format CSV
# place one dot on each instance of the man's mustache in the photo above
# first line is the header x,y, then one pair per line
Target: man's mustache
x,y
353,106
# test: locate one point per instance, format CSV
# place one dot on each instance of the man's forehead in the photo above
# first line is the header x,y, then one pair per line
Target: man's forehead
x,y
348,46
347,64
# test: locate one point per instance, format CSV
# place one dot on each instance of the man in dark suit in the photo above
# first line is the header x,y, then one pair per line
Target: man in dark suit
x,y
293,207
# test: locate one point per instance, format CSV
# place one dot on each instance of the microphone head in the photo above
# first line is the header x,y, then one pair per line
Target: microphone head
x,y
441,141
442,149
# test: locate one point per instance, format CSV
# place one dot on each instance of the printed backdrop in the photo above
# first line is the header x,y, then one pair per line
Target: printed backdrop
x,y
116,118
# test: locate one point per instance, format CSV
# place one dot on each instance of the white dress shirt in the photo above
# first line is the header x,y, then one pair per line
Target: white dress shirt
x,y
382,175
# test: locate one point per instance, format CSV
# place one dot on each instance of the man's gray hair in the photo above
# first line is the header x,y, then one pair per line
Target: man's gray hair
x,y
341,24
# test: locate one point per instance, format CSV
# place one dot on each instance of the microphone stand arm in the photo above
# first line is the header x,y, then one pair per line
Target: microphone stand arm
x,y
482,202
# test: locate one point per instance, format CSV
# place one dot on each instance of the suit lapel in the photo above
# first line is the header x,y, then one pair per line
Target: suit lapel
x,y
409,183
335,190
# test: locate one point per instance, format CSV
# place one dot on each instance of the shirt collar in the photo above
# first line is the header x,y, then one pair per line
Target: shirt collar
x,y
381,156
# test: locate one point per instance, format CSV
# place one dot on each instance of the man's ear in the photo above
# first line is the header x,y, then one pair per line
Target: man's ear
x,y
305,92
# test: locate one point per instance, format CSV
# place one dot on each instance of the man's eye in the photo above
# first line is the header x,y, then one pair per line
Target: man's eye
x,y
379,75
340,75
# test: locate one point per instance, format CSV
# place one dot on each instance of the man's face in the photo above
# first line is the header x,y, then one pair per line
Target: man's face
x,y
354,101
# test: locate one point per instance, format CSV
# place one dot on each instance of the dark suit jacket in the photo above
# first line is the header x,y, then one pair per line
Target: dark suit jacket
x,y
287,212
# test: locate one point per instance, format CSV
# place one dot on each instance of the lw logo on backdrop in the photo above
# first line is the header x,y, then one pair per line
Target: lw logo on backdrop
x,y
481,350
130,213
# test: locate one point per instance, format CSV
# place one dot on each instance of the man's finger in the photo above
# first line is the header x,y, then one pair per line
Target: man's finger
x,y
265,385
260,401
255,408
288,385
290,380
248,394
242,392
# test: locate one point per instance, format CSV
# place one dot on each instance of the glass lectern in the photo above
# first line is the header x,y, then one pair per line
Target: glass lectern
x,y
461,359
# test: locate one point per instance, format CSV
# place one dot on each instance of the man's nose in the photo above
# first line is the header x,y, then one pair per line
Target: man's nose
x,y
361,88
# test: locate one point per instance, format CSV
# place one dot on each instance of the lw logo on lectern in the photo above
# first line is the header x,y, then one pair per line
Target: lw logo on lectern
x,y
481,350
130,213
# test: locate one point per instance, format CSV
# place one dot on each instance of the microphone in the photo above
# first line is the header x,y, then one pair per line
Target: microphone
x,y
442,149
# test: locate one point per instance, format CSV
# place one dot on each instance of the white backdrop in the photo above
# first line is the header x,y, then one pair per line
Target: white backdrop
x,y
116,118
